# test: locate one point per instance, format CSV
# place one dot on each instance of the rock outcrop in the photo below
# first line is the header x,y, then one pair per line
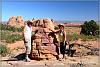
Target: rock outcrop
x,y
20,21
43,46
45,23
16,21
12,21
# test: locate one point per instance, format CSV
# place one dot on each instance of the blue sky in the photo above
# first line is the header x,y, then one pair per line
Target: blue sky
x,y
57,10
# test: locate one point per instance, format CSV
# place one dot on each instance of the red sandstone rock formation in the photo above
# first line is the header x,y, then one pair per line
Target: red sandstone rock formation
x,y
43,46
12,21
15,21
20,21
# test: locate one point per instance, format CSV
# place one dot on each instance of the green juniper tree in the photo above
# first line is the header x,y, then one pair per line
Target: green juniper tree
x,y
90,28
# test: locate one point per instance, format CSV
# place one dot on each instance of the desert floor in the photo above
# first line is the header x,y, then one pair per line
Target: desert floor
x,y
18,49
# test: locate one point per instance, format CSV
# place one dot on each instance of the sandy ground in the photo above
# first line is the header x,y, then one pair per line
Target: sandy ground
x,y
88,61
18,49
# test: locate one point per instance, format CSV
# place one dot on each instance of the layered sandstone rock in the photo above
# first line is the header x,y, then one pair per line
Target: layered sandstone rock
x,y
43,46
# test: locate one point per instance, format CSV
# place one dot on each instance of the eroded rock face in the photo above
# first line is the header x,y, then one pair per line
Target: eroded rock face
x,y
48,23
45,23
43,46
12,21
15,21
20,21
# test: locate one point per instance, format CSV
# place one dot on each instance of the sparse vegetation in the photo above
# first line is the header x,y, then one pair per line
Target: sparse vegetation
x,y
82,37
72,37
4,50
10,28
88,37
9,35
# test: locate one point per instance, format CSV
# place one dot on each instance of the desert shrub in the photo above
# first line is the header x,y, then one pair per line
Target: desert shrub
x,y
73,37
5,27
10,28
12,38
8,33
89,28
4,50
19,29
4,34
88,37
9,37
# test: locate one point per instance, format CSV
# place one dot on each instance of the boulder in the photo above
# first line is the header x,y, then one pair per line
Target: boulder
x,y
43,46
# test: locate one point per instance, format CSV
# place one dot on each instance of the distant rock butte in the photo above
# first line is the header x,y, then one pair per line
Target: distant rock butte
x,y
15,21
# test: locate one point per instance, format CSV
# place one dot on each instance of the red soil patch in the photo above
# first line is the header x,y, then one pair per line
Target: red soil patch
x,y
16,44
